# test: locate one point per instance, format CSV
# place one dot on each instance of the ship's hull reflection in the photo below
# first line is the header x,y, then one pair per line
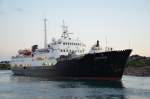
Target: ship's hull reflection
x,y
80,89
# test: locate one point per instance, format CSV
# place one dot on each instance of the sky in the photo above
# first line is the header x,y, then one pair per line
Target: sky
x,y
125,23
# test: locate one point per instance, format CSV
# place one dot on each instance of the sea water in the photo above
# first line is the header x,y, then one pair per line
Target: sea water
x,y
20,87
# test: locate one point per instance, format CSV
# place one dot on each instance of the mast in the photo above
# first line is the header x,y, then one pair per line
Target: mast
x,y
65,30
129,44
45,36
106,48
65,33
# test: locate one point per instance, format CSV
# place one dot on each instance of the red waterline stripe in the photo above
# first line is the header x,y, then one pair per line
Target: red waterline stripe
x,y
87,78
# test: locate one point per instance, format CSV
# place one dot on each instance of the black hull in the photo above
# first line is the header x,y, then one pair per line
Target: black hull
x,y
106,65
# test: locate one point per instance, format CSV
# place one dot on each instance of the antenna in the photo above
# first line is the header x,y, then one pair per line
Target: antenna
x,y
65,28
65,33
106,43
129,44
45,31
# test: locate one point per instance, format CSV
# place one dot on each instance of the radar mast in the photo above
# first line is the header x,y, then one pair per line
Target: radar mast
x,y
65,33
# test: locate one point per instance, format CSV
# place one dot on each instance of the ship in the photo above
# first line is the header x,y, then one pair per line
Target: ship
x,y
67,59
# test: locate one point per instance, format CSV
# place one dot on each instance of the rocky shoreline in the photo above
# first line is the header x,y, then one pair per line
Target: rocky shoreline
x,y
138,66
137,71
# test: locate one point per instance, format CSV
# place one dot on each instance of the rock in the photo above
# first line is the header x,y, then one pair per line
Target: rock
x,y
137,71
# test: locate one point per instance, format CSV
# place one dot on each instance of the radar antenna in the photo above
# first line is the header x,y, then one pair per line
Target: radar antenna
x,y
65,33
65,28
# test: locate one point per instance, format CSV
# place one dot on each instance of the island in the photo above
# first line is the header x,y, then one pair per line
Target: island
x,y
138,66
4,65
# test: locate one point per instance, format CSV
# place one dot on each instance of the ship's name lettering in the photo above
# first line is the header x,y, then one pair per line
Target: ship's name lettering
x,y
103,57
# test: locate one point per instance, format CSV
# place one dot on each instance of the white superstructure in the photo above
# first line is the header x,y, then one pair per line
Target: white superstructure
x,y
47,56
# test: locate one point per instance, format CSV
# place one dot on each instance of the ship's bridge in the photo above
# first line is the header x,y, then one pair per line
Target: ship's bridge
x,y
67,46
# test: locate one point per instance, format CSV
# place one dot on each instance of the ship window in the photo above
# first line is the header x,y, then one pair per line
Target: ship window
x,y
59,42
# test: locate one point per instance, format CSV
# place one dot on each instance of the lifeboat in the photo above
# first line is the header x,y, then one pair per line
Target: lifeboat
x,y
24,52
